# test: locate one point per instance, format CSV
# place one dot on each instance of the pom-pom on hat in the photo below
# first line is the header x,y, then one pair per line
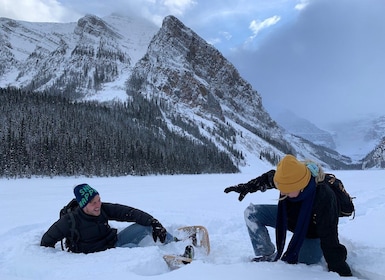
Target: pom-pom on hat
x,y
84,194
291,175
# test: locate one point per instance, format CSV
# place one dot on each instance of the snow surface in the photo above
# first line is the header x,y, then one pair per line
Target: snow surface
x,y
30,206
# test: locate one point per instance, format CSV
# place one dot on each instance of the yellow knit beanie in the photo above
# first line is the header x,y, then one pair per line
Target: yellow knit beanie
x,y
291,175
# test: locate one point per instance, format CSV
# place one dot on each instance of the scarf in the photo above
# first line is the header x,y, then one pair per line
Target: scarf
x,y
307,198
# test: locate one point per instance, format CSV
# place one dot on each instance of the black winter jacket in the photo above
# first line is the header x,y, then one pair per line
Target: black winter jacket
x,y
94,233
324,225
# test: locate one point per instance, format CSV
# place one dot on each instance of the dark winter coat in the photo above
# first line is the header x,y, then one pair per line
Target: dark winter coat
x,y
94,233
324,225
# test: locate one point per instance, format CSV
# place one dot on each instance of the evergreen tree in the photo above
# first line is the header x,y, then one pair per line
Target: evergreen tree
x,y
49,135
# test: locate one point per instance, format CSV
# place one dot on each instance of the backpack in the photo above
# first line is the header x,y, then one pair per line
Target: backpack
x,y
345,201
70,241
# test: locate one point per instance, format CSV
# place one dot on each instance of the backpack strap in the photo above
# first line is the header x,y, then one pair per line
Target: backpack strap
x,y
73,231
73,224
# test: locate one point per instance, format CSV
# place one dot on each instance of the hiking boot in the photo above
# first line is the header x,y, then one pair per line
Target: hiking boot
x,y
188,252
194,239
269,258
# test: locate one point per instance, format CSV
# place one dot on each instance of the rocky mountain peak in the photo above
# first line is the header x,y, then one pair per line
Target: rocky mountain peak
x,y
8,24
94,26
183,70
197,74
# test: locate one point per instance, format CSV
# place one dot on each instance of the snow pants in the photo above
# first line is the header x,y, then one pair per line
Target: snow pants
x,y
136,235
258,217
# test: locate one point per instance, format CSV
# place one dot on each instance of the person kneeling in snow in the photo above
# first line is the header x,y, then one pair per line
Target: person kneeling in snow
x,y
306,207
92,231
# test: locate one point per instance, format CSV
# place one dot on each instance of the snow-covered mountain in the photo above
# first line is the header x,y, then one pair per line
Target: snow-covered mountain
x,y
75,58
296,125
361,140
192,82
375,158
192,77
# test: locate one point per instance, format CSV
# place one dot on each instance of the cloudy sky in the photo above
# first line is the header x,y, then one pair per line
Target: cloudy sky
x,y
322,59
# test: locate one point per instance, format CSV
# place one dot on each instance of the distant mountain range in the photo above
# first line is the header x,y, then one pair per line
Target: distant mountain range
x,y
357,139
114,57
304,128
362,140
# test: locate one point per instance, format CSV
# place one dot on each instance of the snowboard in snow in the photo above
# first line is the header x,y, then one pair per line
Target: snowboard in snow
x,y
198,237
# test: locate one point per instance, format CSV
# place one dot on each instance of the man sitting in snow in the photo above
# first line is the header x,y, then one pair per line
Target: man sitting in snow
x,y
306,207
93,233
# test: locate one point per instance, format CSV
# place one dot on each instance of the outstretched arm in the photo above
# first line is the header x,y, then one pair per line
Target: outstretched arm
x,y
125,213
261,183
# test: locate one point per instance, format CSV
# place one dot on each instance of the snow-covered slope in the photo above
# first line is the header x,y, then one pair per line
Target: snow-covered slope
x,y
358,138
304,128
77,58
30,206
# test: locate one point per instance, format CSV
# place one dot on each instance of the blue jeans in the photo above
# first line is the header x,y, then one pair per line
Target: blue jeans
x,y
258,217
132,235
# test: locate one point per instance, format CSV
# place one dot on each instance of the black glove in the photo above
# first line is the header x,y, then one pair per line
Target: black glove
x,y
242,189
261,183
158,231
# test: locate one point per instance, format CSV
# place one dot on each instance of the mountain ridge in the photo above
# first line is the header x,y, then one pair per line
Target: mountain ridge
x,y
172,64
305,129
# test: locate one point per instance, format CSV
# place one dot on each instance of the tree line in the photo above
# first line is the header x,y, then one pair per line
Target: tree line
x,y
49,135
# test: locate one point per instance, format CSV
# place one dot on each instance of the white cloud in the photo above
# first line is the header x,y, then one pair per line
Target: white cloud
x,y
321,55
156,10
218,40
72,10
256,26
302,4
34,10
226,35
214,41
178,7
